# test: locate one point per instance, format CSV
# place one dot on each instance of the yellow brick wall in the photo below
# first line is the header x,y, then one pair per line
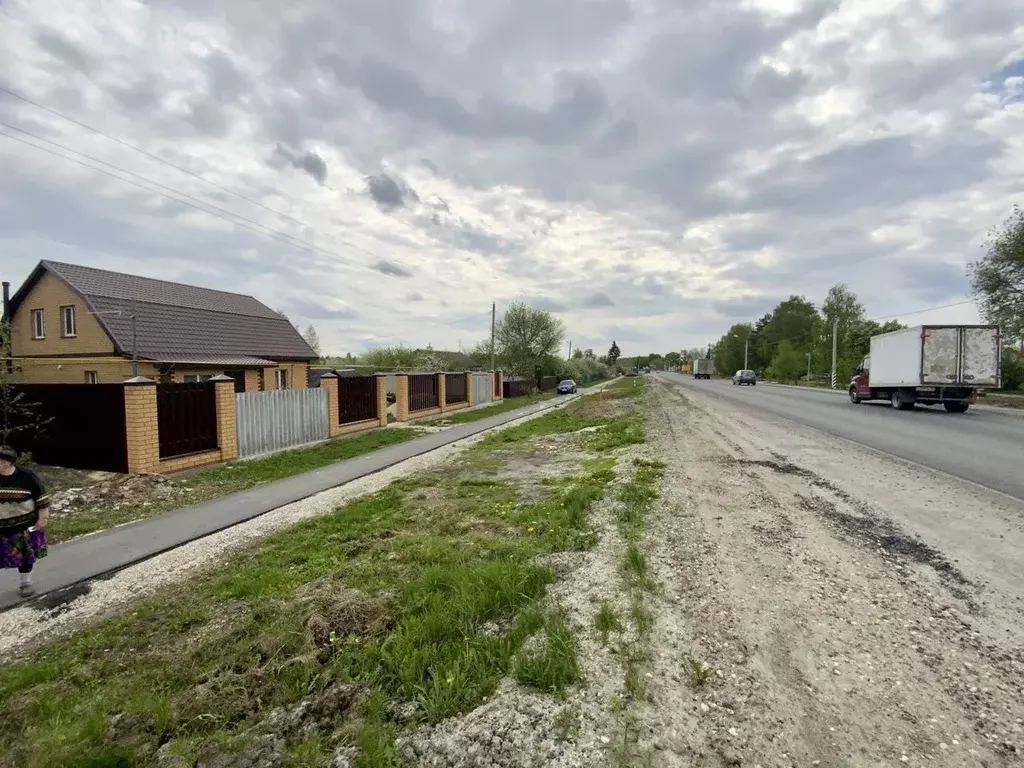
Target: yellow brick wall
x,y
441,389
227,421
401,397
71,370
252,380
298,376
50,294
330,385
141,428
382,399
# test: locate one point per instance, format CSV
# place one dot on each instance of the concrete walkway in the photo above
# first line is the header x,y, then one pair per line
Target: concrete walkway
x,y
107,552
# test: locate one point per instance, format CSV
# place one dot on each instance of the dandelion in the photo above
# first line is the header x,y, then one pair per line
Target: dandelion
x,y
531,529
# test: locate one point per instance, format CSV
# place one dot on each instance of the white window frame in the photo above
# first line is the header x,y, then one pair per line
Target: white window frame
x,y
196,378
92,377
281,378
68,330
38,324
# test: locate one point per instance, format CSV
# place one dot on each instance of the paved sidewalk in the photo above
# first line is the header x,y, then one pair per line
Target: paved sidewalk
x,y
106,552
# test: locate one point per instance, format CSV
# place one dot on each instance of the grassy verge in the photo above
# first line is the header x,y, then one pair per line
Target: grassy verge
x,y
506,405
401,608
207,484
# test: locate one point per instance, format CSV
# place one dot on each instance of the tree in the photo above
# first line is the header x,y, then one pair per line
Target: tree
x,y
997,279
1013,369
528,338
788,363
19,417
613,353
672,359
313,339
589,354
577,354
729,354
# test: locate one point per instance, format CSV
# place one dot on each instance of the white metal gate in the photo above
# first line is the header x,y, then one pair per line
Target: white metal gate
x,y
278,419
483,388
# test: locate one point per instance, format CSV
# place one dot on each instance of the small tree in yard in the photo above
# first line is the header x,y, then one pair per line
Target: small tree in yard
x,y
997,280
613,353
528,339
19,417
313,339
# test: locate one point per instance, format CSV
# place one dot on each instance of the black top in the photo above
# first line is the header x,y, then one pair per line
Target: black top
x,y
21,498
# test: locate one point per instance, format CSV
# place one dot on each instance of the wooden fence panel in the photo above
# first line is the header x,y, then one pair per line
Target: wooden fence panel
x,y
186,418
482,391
83,425
455,388
357,399
422,391
279,418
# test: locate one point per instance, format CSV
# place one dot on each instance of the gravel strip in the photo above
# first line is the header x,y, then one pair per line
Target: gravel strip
x,y
24,627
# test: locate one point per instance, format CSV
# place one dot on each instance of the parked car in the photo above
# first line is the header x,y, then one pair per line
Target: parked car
x,y
567,387
744,377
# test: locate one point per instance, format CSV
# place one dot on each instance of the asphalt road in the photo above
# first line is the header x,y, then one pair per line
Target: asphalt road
x,y
986,447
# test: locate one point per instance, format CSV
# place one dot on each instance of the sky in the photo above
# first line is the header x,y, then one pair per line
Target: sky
x,y
386,169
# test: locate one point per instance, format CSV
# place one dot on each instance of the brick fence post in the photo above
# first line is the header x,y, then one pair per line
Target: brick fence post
x,y
401,397
329,382
227,417
382,399
469,389
441,387
500,387
142,436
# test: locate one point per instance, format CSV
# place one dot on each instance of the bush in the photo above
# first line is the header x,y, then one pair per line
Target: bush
x,y
1013,370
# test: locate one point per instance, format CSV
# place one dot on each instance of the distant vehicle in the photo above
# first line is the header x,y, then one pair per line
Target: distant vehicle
x,y
929,365
744,377
567,387
703,368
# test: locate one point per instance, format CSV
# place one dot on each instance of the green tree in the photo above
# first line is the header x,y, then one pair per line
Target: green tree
x,y
613,353
788,363
1013,369
997,279
794,320
528,339
730,348
672,359
577,354
19,416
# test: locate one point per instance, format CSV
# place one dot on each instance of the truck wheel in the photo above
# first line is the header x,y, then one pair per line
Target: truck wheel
x,y
900,402
956,407
853,396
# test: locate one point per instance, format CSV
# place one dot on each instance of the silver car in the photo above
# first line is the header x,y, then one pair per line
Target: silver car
x,y
744,377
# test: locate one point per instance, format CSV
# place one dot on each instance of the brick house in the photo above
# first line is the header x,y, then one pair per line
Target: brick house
x,y
73,324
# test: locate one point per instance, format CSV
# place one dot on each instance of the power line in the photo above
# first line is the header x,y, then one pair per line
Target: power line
x,y
190,201
187,172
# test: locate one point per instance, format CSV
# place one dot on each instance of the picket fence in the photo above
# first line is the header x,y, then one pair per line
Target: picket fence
x,y
483,390
281,418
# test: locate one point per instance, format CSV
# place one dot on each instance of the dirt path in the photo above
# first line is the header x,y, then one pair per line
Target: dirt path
x,y
789,563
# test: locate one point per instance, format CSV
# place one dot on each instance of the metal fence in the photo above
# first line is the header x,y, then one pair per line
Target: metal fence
x,y
422,391
481,387
357,399
79,426
454,388
518,387
547,383
186,416
280,418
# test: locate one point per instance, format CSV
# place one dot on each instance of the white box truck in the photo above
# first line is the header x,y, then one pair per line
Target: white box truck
x,y
703,368
929,365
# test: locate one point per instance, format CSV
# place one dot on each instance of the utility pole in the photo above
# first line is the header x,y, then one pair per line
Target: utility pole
x,y
570,350
835,344
493,315
746,349
808,367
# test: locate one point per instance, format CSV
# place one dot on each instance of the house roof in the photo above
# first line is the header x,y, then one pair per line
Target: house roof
x,y
176,322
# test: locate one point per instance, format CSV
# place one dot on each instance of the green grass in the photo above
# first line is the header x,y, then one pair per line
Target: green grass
x,y
606,621
424,594
207,484
506,405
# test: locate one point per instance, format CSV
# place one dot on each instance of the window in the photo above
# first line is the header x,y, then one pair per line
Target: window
x,y
195,378
67,322
38,324
281,377
91,377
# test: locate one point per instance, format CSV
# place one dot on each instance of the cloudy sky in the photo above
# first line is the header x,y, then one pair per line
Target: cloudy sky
x,y
385,169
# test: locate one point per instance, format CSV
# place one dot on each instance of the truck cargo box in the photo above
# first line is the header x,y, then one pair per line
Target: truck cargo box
x,y
937,355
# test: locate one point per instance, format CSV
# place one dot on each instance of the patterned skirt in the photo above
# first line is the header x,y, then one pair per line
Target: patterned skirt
x,y
22,549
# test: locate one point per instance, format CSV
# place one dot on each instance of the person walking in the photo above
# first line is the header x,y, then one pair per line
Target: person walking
x,y
24,509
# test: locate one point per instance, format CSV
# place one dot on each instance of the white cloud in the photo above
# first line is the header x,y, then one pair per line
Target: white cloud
x,y
647,172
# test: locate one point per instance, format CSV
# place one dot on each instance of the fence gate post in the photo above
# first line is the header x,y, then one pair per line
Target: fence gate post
x,y
329,382
500,387
227,418
469,389
142,435
382,399
441,389
401,397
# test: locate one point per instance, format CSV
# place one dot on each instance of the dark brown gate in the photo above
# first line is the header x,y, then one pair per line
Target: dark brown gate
x,y
454,388
83,426
422,391
186,417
